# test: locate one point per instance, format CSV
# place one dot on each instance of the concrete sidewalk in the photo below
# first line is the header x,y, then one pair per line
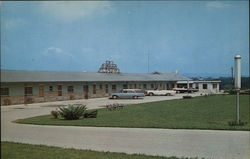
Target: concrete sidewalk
x,y
163,142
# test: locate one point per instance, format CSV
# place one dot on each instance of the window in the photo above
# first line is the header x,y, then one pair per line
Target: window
x,y
4,91
106,88
152,86
145,86
172,85
70,89
130,86
196,86
94,88
204,86
214,86
125,86
139,86
41,91
156,86
134,85
113,87
100,86
167,85
50,88
59,90
28,90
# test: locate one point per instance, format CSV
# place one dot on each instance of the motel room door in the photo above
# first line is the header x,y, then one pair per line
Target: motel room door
x,y
86,91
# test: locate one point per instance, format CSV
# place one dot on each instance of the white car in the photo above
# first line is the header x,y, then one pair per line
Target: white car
x,y
160,92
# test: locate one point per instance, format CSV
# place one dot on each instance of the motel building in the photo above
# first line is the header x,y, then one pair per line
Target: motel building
x,y
24,87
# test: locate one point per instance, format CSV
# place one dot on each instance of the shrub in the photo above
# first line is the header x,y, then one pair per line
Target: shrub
x,y
234,123
90,114
54,113
231,91
187,97
114,106
72,112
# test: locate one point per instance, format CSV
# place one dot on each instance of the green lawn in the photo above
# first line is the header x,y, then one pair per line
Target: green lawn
x,y
10,150
213,112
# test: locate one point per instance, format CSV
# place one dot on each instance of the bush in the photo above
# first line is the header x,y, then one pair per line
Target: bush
x,y
90,114
72,112
187,97
54,113
234,123
114,106
230,91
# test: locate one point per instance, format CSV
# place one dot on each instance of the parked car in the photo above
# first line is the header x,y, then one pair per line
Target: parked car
x,y
160,92
183,90
128,93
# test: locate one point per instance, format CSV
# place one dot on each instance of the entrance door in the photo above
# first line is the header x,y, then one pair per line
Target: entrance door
x,y
28,95
86,91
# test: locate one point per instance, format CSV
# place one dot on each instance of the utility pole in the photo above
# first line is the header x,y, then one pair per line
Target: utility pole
x,y
148,61
232,76
237,84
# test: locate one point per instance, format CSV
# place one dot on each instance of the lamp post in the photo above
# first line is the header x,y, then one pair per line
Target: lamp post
x,y
237,85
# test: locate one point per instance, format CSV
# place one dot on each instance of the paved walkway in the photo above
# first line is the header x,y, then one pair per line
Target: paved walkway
x,y
163,142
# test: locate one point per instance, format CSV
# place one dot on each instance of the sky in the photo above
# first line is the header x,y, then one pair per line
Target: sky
x,y
197,37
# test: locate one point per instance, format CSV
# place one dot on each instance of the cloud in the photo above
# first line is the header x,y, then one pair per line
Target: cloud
x,y
55,51
69,11
215,4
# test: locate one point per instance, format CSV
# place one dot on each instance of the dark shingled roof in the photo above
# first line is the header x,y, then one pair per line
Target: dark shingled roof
x,y
54,76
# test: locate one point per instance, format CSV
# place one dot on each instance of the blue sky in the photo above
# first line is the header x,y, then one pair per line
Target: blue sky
x,y
199,37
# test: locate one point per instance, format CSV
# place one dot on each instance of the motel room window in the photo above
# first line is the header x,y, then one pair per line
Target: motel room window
x,y
70,89
51,88
130,86
4,91
139,86
172,85
125,86
204,86
167,85
214,86
106,88
94,88
113,87
28,90
41,91
145,86
100,86
196,86
152,86
59,90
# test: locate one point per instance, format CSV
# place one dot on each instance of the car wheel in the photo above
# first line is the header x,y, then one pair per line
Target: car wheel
x,y
168,94
151,94
114,97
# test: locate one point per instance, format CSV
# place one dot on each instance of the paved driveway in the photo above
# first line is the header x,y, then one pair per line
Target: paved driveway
x,y
164,142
